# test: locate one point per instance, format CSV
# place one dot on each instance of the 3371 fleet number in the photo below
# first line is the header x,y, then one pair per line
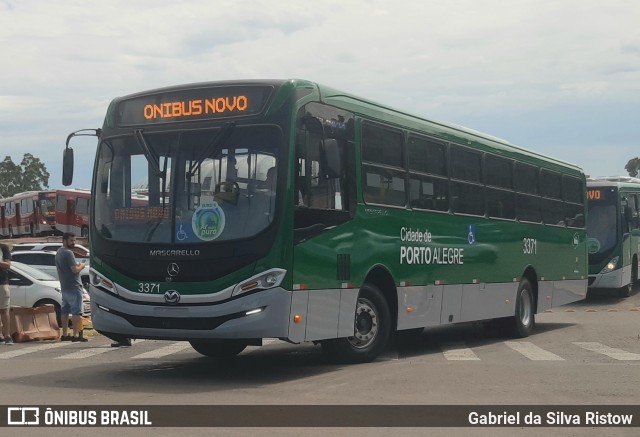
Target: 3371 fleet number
x,y
147,287
530,246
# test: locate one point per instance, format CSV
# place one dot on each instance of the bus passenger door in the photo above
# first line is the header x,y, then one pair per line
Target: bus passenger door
x,y
324,202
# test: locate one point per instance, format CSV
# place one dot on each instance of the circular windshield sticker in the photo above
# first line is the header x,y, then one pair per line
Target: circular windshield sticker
x,y
593,245
208,221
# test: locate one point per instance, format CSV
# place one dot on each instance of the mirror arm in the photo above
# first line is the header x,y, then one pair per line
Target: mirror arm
x,y
78,133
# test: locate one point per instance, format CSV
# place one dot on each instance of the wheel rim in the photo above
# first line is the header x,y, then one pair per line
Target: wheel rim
x,y
526,309
365,325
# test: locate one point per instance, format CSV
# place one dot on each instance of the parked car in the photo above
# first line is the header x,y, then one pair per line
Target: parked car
x,y
31,287
81,252
45,260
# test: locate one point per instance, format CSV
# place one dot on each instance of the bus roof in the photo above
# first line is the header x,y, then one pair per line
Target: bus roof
x,y
446,130
623,179
612,183
362,106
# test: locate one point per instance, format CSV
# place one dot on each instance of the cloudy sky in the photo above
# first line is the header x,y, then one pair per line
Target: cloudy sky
x,y
558,77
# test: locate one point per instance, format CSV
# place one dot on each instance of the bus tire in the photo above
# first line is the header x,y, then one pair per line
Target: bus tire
x,y
522,323
372,326
84,232
218,348
627,290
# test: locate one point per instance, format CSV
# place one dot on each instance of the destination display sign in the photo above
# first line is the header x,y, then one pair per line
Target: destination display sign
x,y
594,194
193,105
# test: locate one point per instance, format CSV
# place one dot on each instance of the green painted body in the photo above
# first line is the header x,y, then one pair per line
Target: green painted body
x,y
624,228
374,238
438,248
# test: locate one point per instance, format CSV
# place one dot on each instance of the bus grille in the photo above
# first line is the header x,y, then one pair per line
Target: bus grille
x,y
186,323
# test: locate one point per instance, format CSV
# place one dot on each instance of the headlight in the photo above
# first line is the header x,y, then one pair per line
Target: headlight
x,y
611,265
265,280
100,281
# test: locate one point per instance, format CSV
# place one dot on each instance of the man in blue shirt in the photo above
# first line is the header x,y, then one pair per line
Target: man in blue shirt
x,y
69,275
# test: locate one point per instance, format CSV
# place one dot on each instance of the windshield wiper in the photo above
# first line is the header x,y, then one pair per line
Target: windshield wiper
x,y
212,148
154,161
149,153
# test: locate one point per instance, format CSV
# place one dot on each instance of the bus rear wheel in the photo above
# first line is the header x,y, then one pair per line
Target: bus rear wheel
x,y
522,323
218,348
372,325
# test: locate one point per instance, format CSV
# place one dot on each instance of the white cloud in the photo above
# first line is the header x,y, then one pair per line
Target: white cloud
x,y
458,60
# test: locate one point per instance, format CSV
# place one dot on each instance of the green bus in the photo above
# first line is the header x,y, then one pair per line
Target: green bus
x,y
613,233
224,213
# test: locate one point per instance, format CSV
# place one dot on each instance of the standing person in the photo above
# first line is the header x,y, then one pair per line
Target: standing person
x,y
5,294
69,274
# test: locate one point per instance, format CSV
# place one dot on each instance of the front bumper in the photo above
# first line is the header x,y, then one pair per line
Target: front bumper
x,y
615,279
225,320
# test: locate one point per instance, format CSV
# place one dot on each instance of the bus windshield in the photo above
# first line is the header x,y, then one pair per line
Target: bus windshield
x,y
196,191
601,226
48,206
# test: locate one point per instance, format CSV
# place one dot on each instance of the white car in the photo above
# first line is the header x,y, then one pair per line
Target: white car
x,y
31,287
45,260
81,252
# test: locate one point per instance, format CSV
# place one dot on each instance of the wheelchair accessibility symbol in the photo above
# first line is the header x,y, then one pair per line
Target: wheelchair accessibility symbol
x,y
181,235
471,238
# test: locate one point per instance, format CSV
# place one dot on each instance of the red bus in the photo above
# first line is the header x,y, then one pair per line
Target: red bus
x,y
29,213
72,211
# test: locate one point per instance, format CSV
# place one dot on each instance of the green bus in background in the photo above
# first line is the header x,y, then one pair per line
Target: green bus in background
x,y
228,212
613,229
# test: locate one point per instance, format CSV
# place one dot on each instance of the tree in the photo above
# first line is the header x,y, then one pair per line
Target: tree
x,y
633,166
30,175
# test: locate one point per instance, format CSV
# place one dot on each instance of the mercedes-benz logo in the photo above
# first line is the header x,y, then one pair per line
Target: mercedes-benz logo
x,y
172,297
173,269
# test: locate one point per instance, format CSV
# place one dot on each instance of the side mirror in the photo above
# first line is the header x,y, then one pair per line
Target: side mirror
x,y
67,166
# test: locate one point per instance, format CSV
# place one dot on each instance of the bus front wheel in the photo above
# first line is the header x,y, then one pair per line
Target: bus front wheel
x,y
627,290
372,325
218,348
522,323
